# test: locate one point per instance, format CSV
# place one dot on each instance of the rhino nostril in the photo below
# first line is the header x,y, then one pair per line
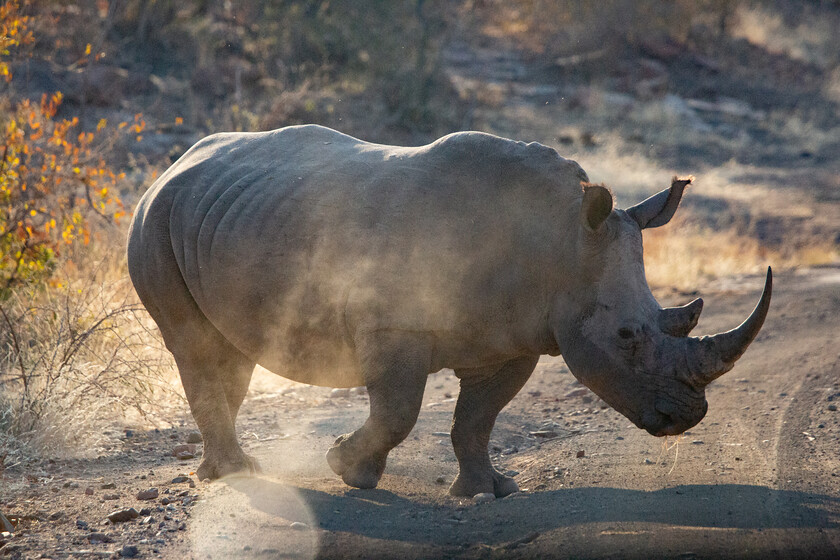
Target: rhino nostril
x,y
626,333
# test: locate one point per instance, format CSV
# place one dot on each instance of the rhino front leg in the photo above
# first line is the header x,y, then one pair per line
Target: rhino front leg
x,y
395,368
484,393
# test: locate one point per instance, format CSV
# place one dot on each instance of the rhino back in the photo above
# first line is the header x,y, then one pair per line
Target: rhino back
x,y
293,241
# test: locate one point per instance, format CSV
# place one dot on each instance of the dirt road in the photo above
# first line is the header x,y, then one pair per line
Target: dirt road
x,y
758,478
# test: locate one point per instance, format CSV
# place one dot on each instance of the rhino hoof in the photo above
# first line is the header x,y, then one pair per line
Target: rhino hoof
x,y
359,474
212,470
501,486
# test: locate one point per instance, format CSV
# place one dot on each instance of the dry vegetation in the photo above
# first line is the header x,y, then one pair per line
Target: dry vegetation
x,y
82,354
686,256
77,351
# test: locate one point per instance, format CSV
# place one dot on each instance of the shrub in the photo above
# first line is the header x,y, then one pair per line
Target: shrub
x,y
74,358
76,348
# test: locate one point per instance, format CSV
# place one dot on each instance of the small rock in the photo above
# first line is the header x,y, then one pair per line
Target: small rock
x,y
180,478
111,497
122,515
56,515
484,497
647,462
129,551
89,491
298,526
832,407
339,393
183,448
150,494
698,442
440,434
148,520
546,434
194,437
108,486
440,480
145,511
184,451
580,454
6,525
81,524
94,538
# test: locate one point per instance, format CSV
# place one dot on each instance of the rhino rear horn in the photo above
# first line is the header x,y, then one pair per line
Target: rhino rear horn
x,y
712,356
659,209
679,321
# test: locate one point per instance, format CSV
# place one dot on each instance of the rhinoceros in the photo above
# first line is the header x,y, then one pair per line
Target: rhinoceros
x,y
337,262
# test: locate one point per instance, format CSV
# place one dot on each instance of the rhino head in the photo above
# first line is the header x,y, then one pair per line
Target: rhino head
x,y
615,337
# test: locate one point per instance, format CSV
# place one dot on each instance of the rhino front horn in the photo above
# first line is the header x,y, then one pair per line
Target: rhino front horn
x,y
710,357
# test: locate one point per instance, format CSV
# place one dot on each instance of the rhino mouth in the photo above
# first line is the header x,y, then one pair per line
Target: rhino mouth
x,y
664,427
668,420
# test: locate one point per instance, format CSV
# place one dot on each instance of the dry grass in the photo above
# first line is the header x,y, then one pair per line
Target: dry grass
x,y
684,256
75,358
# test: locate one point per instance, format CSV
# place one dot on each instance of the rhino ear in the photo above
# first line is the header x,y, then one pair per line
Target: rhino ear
x,y
659,209
596,207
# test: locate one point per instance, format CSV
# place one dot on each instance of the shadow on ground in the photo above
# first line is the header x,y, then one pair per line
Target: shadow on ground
x,y
381,514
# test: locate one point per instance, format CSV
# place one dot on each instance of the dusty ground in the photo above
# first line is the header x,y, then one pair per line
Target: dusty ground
x,y
758,478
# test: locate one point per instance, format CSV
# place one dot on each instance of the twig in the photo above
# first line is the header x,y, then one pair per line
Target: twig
x,y
16,345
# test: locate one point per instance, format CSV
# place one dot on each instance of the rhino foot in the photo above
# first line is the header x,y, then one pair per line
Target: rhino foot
x,y
357,471
212,468
494,483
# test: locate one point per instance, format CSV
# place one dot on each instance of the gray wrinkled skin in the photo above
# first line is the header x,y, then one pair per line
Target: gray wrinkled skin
x,y
336,262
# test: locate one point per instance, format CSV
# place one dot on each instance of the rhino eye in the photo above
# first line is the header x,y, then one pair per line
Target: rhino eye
x,y
626,333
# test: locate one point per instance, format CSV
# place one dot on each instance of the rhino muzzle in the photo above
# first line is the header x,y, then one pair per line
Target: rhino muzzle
x,y
670,420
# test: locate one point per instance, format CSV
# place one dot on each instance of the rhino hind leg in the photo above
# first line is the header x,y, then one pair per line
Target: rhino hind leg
x,y
213,384
215,375
484,393
395,368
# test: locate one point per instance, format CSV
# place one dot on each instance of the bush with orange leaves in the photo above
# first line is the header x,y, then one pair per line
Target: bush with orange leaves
x,y
53,181
53,176
76,349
